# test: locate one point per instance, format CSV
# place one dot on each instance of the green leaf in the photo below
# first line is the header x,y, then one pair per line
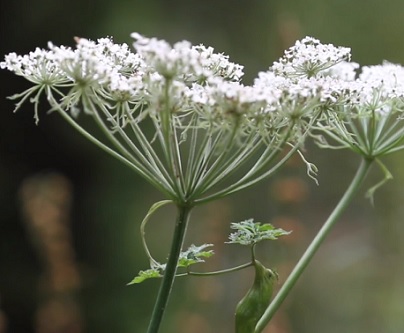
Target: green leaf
x,y
249,232
148,274
194,255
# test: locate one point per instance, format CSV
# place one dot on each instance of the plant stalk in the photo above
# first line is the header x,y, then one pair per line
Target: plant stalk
x,y
184,212
315,244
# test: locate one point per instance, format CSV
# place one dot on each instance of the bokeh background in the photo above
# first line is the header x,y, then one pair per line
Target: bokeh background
x,y
70,214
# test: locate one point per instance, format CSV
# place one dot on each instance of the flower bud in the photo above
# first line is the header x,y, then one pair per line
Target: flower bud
x,y
250,309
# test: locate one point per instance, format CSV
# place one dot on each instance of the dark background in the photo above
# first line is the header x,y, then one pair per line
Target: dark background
x,y
354,283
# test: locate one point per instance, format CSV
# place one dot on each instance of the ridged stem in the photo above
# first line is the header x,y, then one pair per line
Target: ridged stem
x,y
171,268
315,244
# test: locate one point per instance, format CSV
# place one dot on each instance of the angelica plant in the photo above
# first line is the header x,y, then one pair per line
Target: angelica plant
x,y
366,117
211,136
180,117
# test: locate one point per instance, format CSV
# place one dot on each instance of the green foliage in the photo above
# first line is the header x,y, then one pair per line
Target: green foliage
x,y
194,255
147,274
249,232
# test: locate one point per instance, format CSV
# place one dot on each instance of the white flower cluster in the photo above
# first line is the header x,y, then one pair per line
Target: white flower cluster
x,y
205,122
116,73
308,57
37,67
184,61
311,72
388,77
310,76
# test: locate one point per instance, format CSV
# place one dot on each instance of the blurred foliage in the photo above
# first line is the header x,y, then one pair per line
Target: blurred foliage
x,y
355,282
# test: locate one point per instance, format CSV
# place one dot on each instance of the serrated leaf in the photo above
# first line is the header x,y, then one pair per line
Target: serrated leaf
x,y
194,255
249,232
147,274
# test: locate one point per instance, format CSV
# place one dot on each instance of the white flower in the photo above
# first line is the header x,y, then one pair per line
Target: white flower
x,y
387,78
227,98
298,96
99,64
219,64
185,62
37,66
343,70
308,57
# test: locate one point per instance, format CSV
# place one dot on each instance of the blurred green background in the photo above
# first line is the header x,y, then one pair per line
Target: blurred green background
x,y
355,283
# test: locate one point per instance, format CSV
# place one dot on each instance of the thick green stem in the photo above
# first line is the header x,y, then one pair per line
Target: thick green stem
x,y
315,244
171,268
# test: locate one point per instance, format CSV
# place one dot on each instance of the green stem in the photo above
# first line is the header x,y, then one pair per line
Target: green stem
x,y
171,268
222,271
315,244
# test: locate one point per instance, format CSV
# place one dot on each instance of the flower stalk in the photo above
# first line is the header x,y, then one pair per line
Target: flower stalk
x,y
300,267
181,224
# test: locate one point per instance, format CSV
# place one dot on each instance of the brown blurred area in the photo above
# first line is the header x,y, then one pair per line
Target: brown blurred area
x,y
46,201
